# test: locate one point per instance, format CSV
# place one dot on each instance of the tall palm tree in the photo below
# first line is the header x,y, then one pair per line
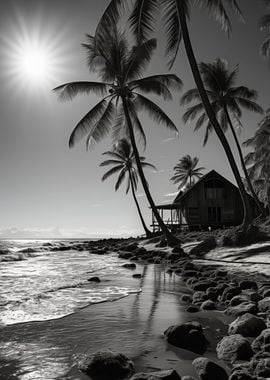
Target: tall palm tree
x,y
123,88
186,171
258,160
175,14
264,25
227,101
122,160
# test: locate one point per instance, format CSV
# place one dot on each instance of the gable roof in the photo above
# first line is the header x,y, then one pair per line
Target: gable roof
x,y
211,174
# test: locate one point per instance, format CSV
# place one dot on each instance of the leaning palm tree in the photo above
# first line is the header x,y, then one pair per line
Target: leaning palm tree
x,y
123,89
123,163
186,171
175,14
227,101
264,25
258,160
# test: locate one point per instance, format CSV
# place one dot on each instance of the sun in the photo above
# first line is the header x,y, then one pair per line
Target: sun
x,y
35,63
34,57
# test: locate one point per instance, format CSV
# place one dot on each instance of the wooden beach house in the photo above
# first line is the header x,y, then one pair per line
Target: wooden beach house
x,y
212,202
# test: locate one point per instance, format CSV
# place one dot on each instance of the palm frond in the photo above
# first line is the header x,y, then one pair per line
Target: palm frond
x,y
250,105
120,179
143,17
192,113
68,91
102,126
112,171
110,162
190,96
155,112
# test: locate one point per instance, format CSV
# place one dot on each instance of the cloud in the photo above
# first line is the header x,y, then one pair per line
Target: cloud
x,y
171,194
158,171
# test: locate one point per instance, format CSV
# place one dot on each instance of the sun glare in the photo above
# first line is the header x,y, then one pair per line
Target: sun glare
x,y
35,57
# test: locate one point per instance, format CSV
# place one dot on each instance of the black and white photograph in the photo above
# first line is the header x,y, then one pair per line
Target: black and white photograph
x,y
135,190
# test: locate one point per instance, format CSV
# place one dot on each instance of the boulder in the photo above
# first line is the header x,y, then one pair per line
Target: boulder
x,y
186,298
192,309
260,364
188,335
264,304
248,284
199,297
203,285
208,370
208,305
243,308
247,325
137,275
262,341
237,300
129,265
125,254
94,279
242,375
230,292
234,347
174,256
170,374
188,378
106,365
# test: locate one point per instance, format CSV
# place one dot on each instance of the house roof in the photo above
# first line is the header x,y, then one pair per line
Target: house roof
x,y
210,174
181,195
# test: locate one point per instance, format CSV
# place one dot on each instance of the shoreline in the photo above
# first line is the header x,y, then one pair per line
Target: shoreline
x,y
166,267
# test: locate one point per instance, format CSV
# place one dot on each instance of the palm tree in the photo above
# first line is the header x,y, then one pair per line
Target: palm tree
x,y
258,160
264,24
185,172
122,160
123,88
175,14
227,101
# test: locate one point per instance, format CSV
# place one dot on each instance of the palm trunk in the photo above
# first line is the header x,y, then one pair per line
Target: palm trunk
x,y
147,232
199,83
168,235
251,188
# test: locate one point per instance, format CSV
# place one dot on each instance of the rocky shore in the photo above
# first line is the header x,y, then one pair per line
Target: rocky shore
x,y
245,350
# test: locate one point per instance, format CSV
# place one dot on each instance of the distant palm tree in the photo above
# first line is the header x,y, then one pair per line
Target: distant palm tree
x,y
264,24
258,160
186,171
122,86
227,101
175,14
122,160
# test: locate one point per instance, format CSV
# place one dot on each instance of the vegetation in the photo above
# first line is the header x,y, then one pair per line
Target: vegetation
x,y
123,90
175,15
227,101
265,26
122,160
186,171
258,160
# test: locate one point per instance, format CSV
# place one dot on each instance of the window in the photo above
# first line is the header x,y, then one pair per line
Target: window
x,y
214,189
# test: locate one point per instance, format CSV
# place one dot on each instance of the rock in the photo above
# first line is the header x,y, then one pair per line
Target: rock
x,y
125,254
189,273
264,304
174,256
192,309
186,298
130,247
204,247
188,335
107,365
261,365
262,341
208,305
94,279
234,347
230,292
170,374
247,325
208,370
177,249
237,300
241,375
203,285
243,308
129,265
248,284
199,297
188,378
137,275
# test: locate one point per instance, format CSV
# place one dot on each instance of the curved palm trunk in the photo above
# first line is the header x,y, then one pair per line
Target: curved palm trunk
x,y
251,188
199,83
168,235
147,232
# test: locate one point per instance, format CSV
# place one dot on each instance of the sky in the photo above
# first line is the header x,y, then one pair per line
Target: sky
x,y
48,190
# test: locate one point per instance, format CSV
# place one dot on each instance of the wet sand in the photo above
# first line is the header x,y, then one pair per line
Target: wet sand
x,y
133,325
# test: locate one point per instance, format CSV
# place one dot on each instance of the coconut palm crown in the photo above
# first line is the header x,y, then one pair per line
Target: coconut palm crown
x,y
264,25
123,163
123,89
186,171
